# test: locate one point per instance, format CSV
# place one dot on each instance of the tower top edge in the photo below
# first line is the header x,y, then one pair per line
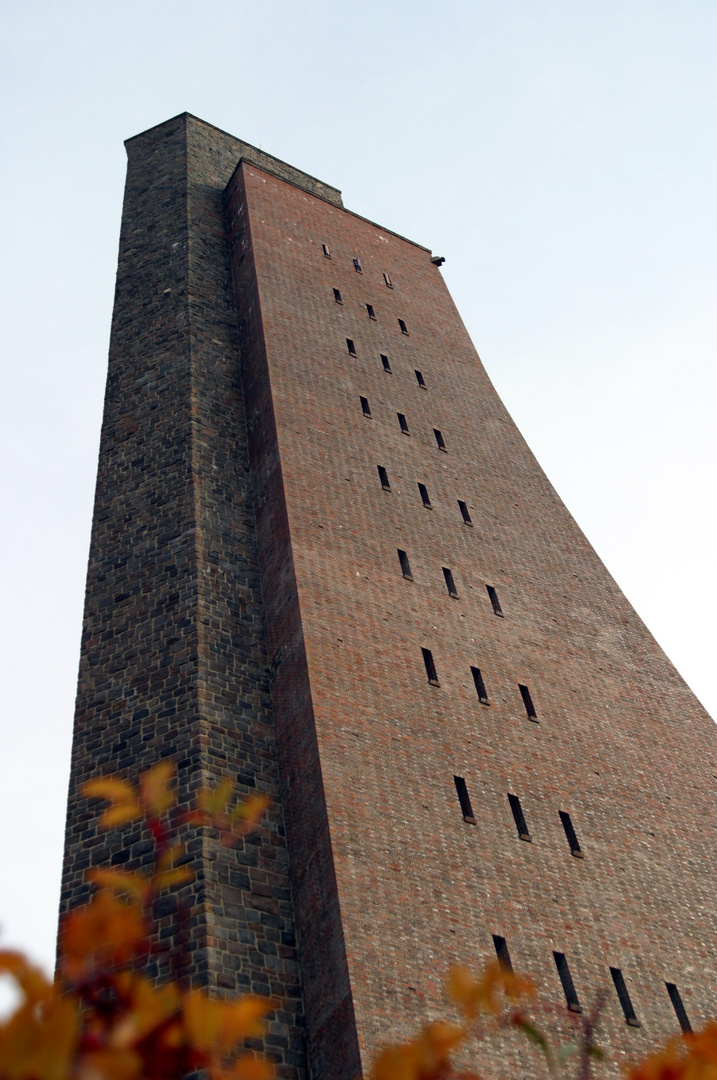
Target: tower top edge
x,y
255,156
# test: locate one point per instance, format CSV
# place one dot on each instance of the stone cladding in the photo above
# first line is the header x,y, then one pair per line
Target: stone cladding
x,y
246,612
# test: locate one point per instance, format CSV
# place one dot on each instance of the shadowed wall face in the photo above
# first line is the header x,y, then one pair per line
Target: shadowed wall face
x,y
173,659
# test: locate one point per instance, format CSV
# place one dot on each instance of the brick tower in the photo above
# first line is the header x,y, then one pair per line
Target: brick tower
x,y
324,560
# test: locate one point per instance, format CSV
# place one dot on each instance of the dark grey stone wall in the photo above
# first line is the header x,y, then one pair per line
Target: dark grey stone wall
x,y
173,660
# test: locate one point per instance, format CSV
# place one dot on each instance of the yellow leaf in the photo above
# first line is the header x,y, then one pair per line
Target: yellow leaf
x,y
250,810
178,875
482,995
33,983
111,788
154,786
218,797
122,882
119,814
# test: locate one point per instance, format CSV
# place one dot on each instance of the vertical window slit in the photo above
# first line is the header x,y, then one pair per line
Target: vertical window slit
x,y
419,378
519,818
501,951
679,1008
464,800
337,296
370,312
480,686
623,995
350,346
403,423
424,494
404,328
528,702
357,266
493,595
365,406
326,250
430,666
405,565
571,835
383,477
464,512
567,980
386,365
450,583
440,441
387,279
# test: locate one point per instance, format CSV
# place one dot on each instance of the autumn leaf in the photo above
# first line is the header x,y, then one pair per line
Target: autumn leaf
x,y
155,794
110,1065
38,1041
106,932
482,995
424,1058
177,875
250,810
241,1019
245,1067
122,796
33,983
122,882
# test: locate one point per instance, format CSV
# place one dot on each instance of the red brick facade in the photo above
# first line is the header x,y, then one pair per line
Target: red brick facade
x,y
236,435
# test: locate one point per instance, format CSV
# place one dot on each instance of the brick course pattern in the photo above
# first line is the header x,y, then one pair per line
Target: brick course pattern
x,y
246,611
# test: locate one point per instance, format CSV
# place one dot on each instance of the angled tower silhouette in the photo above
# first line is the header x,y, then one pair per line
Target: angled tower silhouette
x,y
324,561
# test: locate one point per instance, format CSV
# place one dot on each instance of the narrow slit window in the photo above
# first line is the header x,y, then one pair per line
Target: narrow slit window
x,y
528,702
357,266
337,296
424,494
419,378
464,800
430,666
404,328
450,583
480,686
383,477
386,365
501,951
370,312
571,835
350,346
366,408
464,512
623,995
387,279
440,441
567,980
405,564
326,250
679,1008
519,818
497,609
403,423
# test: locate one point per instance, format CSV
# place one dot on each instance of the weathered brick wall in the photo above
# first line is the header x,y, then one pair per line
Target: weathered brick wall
x,y
198,506
621,744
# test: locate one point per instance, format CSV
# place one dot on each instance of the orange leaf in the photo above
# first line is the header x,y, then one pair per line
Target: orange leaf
x,y
110,1065
245,1067
122,882
33,983
119,814
111,788
482,995
39,1041
170,856
201,1018
242,1019
154,786
106,931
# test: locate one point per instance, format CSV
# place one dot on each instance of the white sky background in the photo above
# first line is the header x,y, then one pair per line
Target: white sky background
x,y
560,155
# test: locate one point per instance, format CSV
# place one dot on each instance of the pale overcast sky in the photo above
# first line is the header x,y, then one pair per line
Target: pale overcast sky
x,y
560,155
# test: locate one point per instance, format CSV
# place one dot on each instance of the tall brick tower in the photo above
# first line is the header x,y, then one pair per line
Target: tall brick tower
x,y
324,560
